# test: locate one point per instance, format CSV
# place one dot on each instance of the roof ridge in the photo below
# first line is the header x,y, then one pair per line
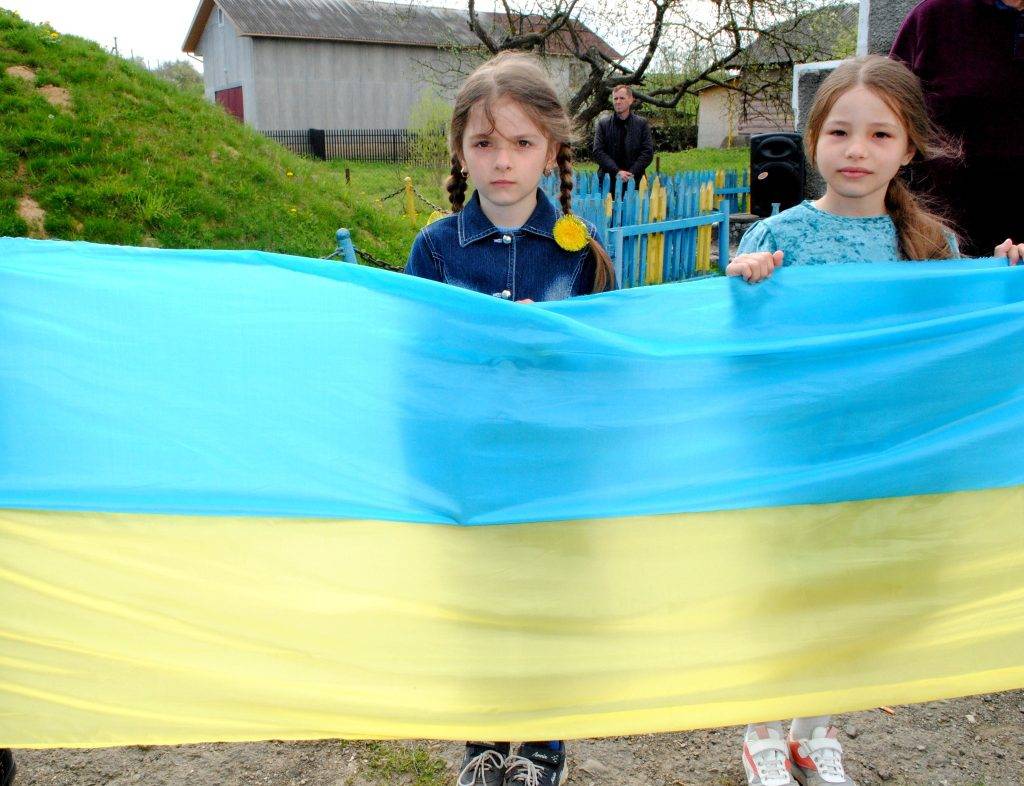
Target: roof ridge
x,y
365,21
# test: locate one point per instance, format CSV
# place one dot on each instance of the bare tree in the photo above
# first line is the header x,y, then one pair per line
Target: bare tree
x,y
747,46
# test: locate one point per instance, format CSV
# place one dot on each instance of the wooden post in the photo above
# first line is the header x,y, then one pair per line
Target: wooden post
x,y
348,251
723,236
657,164
348,176
410,202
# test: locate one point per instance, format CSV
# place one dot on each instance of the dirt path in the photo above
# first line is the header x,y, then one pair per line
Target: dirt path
x,y
976,741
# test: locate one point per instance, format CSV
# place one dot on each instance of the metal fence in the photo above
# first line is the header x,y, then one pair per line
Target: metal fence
x,y
394,145
371,144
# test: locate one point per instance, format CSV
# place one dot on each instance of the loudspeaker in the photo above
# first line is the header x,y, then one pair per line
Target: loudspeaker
x,y
776,171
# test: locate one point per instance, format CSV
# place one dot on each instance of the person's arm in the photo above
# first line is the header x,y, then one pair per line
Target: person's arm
x,y
1010,251
421,262
646,155
754,267
601,157
758,256
906,45
954,245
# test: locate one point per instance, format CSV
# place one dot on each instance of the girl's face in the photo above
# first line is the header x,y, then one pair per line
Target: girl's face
x,y
861,148
506,162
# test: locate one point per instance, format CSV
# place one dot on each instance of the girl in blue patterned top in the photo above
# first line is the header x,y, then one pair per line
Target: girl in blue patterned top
x,y
868,121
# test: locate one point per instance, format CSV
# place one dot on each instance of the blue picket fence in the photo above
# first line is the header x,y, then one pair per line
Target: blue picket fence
x,y
731,183
660,231
655,232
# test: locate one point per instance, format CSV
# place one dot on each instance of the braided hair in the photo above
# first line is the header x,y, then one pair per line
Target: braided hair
x,y
521,78
604,272
456,185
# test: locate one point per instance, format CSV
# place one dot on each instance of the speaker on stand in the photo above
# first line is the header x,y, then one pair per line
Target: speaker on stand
x,y
776,172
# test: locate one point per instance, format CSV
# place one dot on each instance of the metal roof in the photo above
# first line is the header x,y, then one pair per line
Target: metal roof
x,y
367,22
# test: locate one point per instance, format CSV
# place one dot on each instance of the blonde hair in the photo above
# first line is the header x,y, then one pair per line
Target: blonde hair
x,y
521,78
922,233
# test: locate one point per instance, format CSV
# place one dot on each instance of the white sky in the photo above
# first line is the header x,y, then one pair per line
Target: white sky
x,y
151,30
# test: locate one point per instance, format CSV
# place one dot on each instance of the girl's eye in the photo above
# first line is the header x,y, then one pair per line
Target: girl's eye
x,y
481,143
837,132
525,143
882,134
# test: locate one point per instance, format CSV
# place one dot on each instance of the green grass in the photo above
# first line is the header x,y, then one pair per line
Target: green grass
x,y
395,763
706,158
138,161
371,182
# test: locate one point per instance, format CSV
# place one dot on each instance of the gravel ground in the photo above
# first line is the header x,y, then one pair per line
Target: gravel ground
x,y
973,741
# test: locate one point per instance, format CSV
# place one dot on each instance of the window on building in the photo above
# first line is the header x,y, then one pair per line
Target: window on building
x,y
220,16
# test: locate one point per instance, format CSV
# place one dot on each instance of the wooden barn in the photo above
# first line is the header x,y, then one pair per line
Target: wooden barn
x,y
345,64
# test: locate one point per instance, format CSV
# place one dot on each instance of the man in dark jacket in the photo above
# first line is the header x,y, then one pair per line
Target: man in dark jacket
x,y
969,55
623,145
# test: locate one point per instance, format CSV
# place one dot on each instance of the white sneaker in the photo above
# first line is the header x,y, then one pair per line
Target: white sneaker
x,y
766,758
819,760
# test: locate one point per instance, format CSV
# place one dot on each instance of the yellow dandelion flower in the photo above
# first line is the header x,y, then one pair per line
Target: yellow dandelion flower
x,y
571,233
293,210
290,174
54,34
435,216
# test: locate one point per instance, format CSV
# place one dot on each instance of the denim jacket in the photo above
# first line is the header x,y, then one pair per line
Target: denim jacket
x,y
466,250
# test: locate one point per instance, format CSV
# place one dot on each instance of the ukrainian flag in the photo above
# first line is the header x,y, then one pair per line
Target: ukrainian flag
x,y
248,496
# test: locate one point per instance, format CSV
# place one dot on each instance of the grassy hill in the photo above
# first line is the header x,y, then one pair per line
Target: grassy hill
x,y
102,150
94,147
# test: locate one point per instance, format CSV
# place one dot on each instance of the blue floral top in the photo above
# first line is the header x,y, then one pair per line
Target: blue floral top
x,y
810,236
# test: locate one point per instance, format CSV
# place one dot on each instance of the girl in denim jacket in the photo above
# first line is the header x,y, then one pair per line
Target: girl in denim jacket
x,y
508,130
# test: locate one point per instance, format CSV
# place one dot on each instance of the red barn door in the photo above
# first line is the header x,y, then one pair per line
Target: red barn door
x,y
231,100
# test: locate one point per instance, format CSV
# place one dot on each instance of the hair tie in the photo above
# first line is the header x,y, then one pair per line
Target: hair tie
x,y
571,233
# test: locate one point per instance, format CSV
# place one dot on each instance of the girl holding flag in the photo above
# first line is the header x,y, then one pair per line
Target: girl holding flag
x,y
867,123
508,130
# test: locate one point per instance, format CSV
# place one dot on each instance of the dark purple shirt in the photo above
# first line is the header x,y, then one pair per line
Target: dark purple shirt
x,y
963,51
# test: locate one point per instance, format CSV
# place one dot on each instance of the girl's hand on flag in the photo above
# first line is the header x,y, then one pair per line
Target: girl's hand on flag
x,y
754,267
1014,252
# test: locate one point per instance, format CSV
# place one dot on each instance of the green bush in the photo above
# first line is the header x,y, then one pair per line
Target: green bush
x,y
429,121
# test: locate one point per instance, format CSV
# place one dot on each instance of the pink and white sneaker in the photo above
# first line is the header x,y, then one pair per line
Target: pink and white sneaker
x,y
819,760
766,758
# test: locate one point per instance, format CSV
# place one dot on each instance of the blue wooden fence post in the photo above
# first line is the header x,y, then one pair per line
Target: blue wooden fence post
x,y
723,235
345,247
615,251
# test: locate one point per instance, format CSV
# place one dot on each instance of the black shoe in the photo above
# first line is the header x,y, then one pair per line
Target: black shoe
x,y
7,767
483,764
536,765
